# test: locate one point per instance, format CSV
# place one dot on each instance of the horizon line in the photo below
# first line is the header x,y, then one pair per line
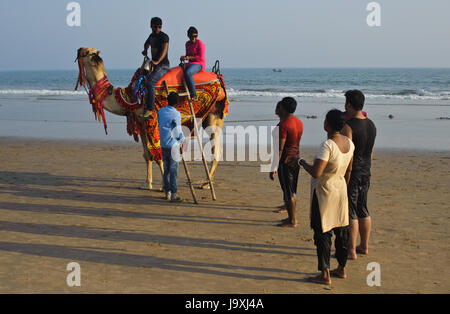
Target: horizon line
x,y
262,68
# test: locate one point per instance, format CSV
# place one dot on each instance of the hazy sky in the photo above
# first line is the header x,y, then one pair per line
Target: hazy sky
x,y
240,33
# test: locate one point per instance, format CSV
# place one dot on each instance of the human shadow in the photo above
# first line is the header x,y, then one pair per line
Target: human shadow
x,y
118,235
113,258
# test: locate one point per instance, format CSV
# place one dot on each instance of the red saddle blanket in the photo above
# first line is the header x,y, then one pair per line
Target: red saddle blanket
x,y
209,87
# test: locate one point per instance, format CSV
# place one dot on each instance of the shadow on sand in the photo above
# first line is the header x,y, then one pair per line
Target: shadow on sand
x,y
91,255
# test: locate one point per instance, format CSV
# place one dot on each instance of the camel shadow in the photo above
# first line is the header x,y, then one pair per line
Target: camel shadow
x,y
120,235
28,184
93,255
106,212
47,179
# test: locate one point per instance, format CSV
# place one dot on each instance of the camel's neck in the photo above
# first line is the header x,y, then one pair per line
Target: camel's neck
x,y
110,104
93,76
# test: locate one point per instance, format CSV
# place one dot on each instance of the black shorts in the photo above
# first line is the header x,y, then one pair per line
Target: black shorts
x,y
288,178
281,182
357,191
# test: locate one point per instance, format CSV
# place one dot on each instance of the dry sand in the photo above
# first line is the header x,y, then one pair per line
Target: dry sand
x,y
64,202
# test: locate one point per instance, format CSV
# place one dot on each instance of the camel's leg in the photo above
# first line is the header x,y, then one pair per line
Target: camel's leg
x,y
161,168
148,158
216,150
147,185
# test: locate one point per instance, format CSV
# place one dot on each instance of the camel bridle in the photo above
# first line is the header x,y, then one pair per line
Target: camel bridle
x,y
96,93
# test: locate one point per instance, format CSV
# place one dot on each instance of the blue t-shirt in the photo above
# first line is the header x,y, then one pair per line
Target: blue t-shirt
x,y
169,120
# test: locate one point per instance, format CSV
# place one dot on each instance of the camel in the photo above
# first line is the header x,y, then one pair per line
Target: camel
x,y
93,71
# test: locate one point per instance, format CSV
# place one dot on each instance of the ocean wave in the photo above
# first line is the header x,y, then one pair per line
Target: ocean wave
x,y
335,93
40,92
401,94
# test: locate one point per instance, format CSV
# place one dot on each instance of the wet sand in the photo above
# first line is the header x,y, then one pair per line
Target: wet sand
x,y
73,201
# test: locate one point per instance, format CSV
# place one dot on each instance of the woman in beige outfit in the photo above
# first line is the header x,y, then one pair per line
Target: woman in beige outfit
x,y
329,204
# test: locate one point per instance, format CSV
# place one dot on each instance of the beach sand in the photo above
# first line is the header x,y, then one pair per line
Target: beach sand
x,y
73,201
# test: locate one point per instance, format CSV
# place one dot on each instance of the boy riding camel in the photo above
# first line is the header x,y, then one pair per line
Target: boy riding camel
x,y
159,43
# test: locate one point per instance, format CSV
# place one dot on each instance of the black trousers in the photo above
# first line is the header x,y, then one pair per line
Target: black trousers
x,y
288,177
322,240
280,178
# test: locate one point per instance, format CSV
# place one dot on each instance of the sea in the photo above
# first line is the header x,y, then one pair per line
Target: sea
x,y
410,107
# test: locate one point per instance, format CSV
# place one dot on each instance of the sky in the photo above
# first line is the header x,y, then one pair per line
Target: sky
x,y
240,33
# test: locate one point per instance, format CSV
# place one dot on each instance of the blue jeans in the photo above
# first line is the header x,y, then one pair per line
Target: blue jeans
x,y
154,77
189,77
170,171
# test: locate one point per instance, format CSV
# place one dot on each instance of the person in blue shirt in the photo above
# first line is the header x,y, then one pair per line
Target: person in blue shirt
x,y
171,138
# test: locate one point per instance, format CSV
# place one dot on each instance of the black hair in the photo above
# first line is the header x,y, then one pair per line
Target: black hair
x,y
155,21
355,98
335,119
172,99
192,30
288,104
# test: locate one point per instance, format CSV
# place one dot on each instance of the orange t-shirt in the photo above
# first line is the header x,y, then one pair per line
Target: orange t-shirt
x,y
291,129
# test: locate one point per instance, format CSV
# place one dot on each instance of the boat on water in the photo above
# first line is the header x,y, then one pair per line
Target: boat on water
x,y
276,70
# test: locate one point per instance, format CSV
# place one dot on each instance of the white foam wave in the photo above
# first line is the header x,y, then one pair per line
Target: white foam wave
x,y
329,93
333,93
40,92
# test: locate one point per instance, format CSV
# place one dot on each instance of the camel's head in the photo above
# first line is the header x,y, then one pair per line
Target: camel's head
x,y
90,56
89,60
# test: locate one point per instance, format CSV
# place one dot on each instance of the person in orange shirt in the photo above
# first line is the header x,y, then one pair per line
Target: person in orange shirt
x,y
290,134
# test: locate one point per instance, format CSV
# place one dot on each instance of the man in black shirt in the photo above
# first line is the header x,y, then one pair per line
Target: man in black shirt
x,y
159,43
362,131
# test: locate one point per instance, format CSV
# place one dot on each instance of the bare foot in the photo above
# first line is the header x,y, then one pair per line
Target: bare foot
x,y
280,211
339,273
361,250
319,279
352,255
287,224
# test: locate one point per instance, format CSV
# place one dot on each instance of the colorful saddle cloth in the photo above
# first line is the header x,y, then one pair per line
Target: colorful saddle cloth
x,y
209,87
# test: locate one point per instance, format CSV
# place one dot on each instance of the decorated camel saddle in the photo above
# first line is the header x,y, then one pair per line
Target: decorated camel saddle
x,y
211,95
209,86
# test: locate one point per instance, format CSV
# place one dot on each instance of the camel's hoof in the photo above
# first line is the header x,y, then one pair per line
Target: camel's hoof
x,y
205,186
145,186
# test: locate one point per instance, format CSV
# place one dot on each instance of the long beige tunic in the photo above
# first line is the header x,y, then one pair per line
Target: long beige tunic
x,y
331,188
